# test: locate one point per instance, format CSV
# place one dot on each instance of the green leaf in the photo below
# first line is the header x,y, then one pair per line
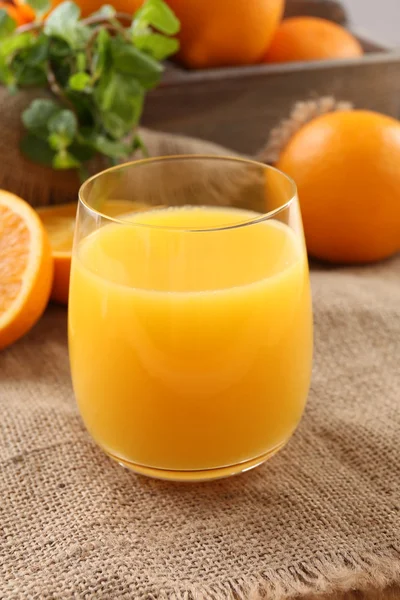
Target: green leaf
x,y
41,7
81,151
116,126
37,150
64,17
128,59
63,23
57,142
111,148
28,62
65,160
37,52
81,61
157,45
85,108
7,78
138,144
82,36
105,91
102,57
62,127
120,100
80,82
107,11
13,44
62,71
157,14
58,49
7,24
28,75
37,116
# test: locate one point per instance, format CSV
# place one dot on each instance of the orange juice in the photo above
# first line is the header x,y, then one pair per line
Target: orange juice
x,y
190,350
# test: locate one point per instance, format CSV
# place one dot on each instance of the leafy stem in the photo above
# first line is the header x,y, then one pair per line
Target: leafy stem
x,y
92,20
97,71
98,19
57,89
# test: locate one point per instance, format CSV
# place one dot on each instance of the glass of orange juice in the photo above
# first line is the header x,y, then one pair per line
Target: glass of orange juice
x,y
190,323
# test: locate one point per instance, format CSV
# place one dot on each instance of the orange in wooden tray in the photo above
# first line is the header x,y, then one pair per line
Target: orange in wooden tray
x,y
311,38
26,268
26,12
21,14
59,222
215,33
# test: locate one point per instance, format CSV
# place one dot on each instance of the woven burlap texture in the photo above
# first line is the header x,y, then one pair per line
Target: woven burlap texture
x,y
322,516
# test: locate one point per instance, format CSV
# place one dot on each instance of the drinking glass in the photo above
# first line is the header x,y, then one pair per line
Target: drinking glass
x,y
190,323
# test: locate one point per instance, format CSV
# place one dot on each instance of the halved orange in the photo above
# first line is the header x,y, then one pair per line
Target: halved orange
x,y
26,268
59,221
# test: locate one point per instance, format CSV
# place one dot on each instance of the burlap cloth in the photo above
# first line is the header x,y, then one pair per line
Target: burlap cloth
x,y
322,516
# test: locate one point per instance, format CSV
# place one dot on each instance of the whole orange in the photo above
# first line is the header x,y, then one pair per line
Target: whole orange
x,y
26,13
218,33
311,38
20,16
346,165
90,6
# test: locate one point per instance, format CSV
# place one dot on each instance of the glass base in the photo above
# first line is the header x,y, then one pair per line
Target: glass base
x,y
198,475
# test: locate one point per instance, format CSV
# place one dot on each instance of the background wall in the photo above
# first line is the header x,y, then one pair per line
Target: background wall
x,y
379,19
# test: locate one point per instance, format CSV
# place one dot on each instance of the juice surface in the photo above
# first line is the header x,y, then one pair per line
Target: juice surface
x,y
189,349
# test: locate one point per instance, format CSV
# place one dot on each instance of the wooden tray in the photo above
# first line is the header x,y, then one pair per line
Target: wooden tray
x,y
238,106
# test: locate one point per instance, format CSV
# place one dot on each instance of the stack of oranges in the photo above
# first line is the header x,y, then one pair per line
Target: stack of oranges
x,y
246,32
251,31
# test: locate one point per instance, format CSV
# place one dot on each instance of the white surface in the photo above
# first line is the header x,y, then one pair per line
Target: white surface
x,y
378,20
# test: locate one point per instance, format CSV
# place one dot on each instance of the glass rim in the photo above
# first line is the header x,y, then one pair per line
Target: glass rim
x,y
189,157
